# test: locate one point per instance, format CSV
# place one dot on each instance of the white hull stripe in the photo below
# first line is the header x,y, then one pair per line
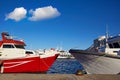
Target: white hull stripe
x,y
17,63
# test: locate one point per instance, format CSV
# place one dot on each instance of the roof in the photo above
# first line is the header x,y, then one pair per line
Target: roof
x,y
6,38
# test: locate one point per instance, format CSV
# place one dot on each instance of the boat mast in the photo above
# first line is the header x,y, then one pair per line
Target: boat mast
x,y
107,35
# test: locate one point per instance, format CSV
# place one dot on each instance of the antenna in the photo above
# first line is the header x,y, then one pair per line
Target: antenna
x,y
61,45
107,34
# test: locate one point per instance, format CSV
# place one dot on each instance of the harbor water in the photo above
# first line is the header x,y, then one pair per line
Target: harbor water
x,y
65,66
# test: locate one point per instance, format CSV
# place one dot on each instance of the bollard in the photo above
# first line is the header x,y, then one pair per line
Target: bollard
x,y
81,72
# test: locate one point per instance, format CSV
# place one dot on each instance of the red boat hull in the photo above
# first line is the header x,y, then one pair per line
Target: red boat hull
x,y
32,64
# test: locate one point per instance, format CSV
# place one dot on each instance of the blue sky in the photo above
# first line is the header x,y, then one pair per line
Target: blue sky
x,y
66,23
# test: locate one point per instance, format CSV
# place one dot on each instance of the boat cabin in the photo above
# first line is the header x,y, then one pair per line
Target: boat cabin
x,y
10,47
110,45
113,42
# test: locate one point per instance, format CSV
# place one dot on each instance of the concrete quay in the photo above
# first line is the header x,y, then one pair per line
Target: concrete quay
x,y
34,76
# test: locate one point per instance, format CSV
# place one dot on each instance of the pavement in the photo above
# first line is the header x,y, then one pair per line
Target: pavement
x,y
38,76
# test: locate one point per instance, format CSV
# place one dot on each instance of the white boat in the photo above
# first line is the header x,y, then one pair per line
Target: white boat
x,y
62,54
103,57
65,55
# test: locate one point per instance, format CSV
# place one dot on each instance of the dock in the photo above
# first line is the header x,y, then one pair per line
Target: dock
x,y
37,76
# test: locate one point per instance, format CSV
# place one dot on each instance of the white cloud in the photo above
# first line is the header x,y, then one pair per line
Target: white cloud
x,y
17,14
43,13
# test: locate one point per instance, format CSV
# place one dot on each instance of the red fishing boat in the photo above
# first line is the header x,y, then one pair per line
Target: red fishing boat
x,y
15,58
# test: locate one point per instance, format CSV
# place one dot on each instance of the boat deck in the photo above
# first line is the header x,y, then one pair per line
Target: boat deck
x,y
37,76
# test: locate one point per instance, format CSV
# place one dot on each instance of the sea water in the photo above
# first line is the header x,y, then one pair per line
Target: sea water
x,y
65,66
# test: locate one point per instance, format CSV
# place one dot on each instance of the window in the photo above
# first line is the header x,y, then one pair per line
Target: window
x,y
110,45
8,46
19,46
29,52
116,45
